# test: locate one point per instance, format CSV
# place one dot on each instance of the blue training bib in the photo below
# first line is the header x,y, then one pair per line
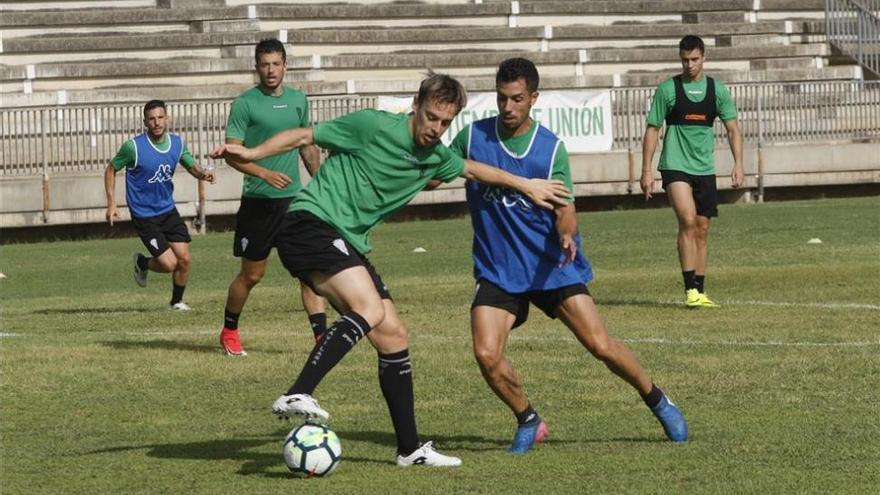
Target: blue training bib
x,y
149,189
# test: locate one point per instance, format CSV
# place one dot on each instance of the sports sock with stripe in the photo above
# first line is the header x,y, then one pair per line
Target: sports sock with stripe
x,y
395,379
340,338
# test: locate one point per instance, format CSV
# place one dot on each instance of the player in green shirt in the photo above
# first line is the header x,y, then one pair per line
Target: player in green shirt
x,y
269,184
688,104
378,162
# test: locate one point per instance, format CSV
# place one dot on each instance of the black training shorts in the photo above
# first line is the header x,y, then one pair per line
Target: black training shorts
x,y
156,232
488,294
705,191
256,225
307,244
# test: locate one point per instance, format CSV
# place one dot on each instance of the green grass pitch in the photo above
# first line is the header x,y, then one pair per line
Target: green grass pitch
x,y
105,391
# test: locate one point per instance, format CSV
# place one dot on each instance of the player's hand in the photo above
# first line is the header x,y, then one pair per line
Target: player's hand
x,y
647,183
433,184
275,179
111,214
234,152
548,193
208,176
736,176
569,249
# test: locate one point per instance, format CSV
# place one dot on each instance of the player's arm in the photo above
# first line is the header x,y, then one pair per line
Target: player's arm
x,y
311,158
735,139
649,146
110,190
566,227
282,142
247,166
201,174
545,193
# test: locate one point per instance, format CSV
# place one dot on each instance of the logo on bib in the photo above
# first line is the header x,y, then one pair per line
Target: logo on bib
x,y
163,174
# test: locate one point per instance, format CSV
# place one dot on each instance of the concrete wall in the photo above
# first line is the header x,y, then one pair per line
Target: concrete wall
x,y
75,199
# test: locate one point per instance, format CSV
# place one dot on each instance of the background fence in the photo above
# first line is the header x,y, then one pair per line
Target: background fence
x,y
77,139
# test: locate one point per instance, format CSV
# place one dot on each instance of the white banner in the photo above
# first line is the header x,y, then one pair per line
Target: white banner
x,y
582,119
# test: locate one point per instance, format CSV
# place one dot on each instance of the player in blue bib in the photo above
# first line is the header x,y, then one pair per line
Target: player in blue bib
x,y
524,254
149,160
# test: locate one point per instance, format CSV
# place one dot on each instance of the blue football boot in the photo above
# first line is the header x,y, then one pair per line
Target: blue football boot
x,y
527,436
673,421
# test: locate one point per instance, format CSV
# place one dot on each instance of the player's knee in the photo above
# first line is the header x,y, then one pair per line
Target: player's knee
x,y
375,314
166,263
602,349
251,277
184,262
687,225
487,357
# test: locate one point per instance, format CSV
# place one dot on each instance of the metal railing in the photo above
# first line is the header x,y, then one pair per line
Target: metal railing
x,y
77,139
853,27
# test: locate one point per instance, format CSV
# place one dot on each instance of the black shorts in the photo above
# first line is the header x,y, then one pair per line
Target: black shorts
x,y
488,294
256,224
156,232
308,244
704,189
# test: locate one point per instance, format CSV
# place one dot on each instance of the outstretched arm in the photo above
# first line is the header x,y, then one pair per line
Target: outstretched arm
x,y
545,193
201,174
279,143
734,138
649,145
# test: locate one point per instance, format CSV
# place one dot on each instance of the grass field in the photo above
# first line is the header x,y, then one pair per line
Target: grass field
x,y
105,391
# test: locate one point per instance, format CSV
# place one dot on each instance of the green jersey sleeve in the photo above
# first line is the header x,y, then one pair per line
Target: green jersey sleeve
x,y
306,115
661,103
186,158
452,165
125,157
562,168
724,102
238,121
459,144
348,133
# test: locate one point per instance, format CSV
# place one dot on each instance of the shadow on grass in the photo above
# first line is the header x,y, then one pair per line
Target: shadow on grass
x,y
173,345
92,310
639,302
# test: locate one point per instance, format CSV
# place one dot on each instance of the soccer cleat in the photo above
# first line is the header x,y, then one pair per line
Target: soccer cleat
x,y
425,455
299,404
230,342
527,436
179,306
140,276
705,302
692,298
673,421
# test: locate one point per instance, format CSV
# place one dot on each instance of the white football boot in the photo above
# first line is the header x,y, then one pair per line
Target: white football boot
x,y
180,306
140,276
425,455
301,405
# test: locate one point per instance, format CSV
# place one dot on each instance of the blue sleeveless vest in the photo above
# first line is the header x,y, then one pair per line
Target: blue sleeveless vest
x,y
516,246
148,186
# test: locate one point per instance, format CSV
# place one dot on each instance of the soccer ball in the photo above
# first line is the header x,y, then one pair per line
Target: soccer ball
x,y
312,450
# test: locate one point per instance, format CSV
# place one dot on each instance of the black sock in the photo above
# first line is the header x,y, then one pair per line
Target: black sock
x,y
177,293
318,321
527,416
395,379
653,397
143,262
230,319
688,280
340,338
700,282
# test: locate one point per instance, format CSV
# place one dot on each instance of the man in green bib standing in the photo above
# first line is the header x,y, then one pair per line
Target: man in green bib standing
x,y
269,185
689,104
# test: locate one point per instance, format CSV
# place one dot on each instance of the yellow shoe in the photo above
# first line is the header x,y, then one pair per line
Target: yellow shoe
x,y
694,298
705,302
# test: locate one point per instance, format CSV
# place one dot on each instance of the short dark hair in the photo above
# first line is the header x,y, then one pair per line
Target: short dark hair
x,y
154,104
513,69
442,88
691,42
270,45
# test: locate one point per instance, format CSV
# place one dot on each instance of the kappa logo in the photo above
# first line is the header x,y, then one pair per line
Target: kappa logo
x,y
279,106
155,243
506,197
163,174
340,245
244,243
410,158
